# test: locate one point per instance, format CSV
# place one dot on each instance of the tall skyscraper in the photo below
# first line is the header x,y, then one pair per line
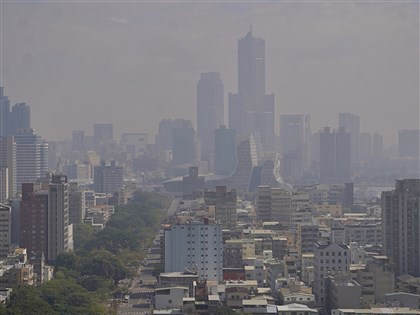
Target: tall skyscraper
x,y
183,145
351,123
335,152
4,184
5,121
60,234
409,143
78,140
295,135
164,139
31,157
103,134
401,226
251,110
210,109
21,117
225,151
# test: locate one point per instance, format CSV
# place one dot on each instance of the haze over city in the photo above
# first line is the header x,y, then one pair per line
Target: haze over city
x,y
133,64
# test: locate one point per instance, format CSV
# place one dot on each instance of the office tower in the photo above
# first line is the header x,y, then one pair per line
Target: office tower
x,y
351,124
225,207
31,157
77,209
409,143
183,145
8,160
4,184
225,151
20,117
78,140
5,121
60,234
5,229
164,139
210,109
251,110
377,146
329,259
335,151
34,219
263,204
295,137
102,134
197,246
134,144
108,178
401,226
365,146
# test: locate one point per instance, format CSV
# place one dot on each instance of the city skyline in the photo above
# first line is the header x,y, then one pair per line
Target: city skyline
x,y
319,49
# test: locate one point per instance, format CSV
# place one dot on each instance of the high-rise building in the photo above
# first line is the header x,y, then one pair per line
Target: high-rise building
x,y
251,110
8,160
351,124
4,184
295,134
226,207
365,146
5,121
307,235
377,146
108,178
409,142
5,229
198,247
164,139
401,226
225,151
263,204
134,143
31,157
329,259
183,145
60,234
34,219
335,152
103,134
77,209
210,109
21,117
281,207
78,140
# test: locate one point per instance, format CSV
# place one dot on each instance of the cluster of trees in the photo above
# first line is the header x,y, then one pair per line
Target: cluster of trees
x,y
85,278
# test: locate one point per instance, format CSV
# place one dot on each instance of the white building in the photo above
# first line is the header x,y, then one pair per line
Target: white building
x,y
328,259
170,297
197,246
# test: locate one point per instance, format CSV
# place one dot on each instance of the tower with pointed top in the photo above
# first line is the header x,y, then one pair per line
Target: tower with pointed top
x,y
251,110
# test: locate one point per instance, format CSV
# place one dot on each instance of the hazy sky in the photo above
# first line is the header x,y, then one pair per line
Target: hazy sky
x,y
135,63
